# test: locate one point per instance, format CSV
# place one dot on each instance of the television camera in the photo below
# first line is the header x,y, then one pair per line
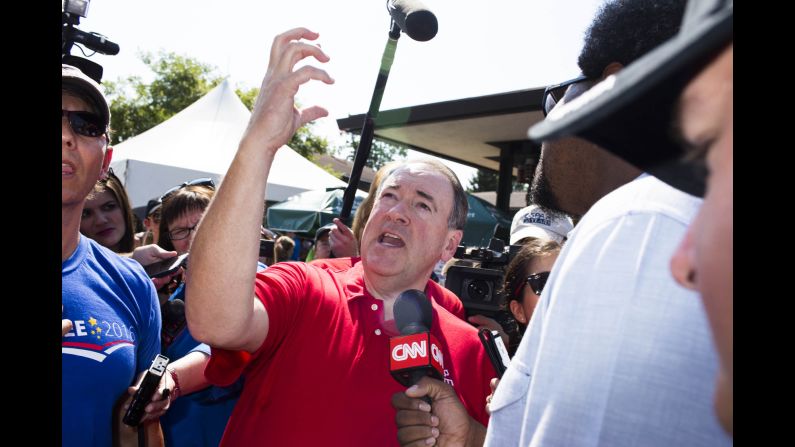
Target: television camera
x,y
71,11
478,284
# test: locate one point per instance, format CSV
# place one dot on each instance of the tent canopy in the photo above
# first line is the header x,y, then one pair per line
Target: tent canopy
x,y
201,141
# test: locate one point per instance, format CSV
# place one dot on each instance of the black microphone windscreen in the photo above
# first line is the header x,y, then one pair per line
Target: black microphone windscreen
x,y
413,312
414,19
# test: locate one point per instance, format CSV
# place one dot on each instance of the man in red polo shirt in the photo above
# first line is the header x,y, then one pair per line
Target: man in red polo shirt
x,y
312,341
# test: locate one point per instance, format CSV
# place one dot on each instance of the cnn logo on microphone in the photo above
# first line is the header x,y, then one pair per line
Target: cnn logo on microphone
x,y
412,351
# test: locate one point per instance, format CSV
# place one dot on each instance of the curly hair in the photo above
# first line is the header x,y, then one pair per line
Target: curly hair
x,y
624,30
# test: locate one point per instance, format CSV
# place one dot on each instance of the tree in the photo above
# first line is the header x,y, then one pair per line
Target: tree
x,y
381,152
303,141
136,106
483,181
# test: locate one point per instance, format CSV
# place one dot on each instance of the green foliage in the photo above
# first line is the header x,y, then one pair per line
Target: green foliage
x,y
136,106
381,152
483,181
303,141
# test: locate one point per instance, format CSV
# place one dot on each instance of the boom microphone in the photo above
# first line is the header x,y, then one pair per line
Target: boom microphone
x,y
416,352
414,19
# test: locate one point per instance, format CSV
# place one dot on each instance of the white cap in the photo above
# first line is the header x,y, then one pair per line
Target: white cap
x,y
535,221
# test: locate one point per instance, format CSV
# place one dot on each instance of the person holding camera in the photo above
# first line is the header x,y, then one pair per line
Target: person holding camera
x,y
112,329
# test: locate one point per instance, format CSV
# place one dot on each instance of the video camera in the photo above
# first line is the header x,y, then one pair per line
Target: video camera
x,y
478,286
71,11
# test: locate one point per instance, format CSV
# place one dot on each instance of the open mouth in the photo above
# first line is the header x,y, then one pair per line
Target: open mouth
x,y
391,240
67,168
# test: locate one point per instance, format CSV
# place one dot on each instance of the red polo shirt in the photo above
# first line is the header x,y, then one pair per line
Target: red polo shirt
x,y
321,377
449,301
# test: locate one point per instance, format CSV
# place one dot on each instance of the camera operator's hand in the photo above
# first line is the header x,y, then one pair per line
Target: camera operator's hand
x,y
443,423
343,243
275,118
482,321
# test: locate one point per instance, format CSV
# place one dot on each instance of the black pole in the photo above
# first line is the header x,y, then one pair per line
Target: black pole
x,y
368,128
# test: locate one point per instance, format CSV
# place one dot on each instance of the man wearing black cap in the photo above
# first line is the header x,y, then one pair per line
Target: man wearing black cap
x,y
688,80
111,316
151,223
618,379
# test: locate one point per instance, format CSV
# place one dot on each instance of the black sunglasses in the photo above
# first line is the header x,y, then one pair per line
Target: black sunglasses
x,y
537,281
554,93
84,123
208,182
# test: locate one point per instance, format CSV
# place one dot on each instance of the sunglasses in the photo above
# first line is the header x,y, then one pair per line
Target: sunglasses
x,y
208,182
84,123
537,281
554,93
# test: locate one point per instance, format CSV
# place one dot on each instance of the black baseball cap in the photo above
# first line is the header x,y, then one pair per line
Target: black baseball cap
x,y
631,113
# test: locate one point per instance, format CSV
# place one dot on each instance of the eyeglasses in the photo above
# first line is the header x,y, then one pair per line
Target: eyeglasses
x,y
208,182
182,233
554,93
84,123
537,281
155,217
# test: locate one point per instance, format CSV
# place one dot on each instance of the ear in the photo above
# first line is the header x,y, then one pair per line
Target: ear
x,y
612,68
106,162
453,239
518,311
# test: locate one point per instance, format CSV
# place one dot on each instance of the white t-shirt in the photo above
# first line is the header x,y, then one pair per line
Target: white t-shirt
x,y
616,353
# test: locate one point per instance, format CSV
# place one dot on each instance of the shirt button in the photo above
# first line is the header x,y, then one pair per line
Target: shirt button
x,y
378,332
374,307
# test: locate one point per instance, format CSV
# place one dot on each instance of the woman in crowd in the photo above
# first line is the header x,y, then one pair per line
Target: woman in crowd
x,y
107,217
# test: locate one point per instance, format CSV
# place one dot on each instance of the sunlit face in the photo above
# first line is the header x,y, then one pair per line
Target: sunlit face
x,y
185,221
524,310
704,259
407,232
83,159
103,219
152,223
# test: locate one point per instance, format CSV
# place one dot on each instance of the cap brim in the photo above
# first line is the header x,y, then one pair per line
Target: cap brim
x,y
631,113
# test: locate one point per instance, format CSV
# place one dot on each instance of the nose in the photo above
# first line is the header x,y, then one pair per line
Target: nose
x,y
682,262
67,135
398,213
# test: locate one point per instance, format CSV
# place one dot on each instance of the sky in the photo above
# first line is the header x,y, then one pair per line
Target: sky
x,y
480,49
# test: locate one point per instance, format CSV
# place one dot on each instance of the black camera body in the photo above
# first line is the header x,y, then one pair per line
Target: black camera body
x,y
71,11
478,286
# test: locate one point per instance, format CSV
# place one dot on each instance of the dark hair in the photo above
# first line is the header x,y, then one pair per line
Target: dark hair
x,y
113,184
458,213
516,273
624,30
187,199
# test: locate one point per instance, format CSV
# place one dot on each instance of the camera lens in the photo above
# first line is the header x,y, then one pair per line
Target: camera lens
x,y
479,290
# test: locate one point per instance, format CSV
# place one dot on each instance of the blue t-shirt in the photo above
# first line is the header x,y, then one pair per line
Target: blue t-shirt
x,y
115,316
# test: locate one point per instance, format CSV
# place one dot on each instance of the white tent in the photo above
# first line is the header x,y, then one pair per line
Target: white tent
x,y
200,141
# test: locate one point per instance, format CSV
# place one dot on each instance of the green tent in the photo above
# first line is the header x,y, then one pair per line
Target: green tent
x,y
309,210
484,221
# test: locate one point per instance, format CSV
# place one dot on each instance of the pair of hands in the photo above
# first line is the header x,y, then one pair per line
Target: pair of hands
x,y
445,423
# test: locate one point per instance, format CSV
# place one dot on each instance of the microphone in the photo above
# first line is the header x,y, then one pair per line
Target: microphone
x,y
415,353
94,41
414,19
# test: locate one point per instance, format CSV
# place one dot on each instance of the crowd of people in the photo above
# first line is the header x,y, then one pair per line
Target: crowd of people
x,y
276,340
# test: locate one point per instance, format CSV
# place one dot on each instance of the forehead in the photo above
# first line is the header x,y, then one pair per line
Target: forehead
x,y
71,102
421,177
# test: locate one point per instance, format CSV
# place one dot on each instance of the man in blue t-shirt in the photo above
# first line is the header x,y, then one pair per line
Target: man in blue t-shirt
x,y
111,316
